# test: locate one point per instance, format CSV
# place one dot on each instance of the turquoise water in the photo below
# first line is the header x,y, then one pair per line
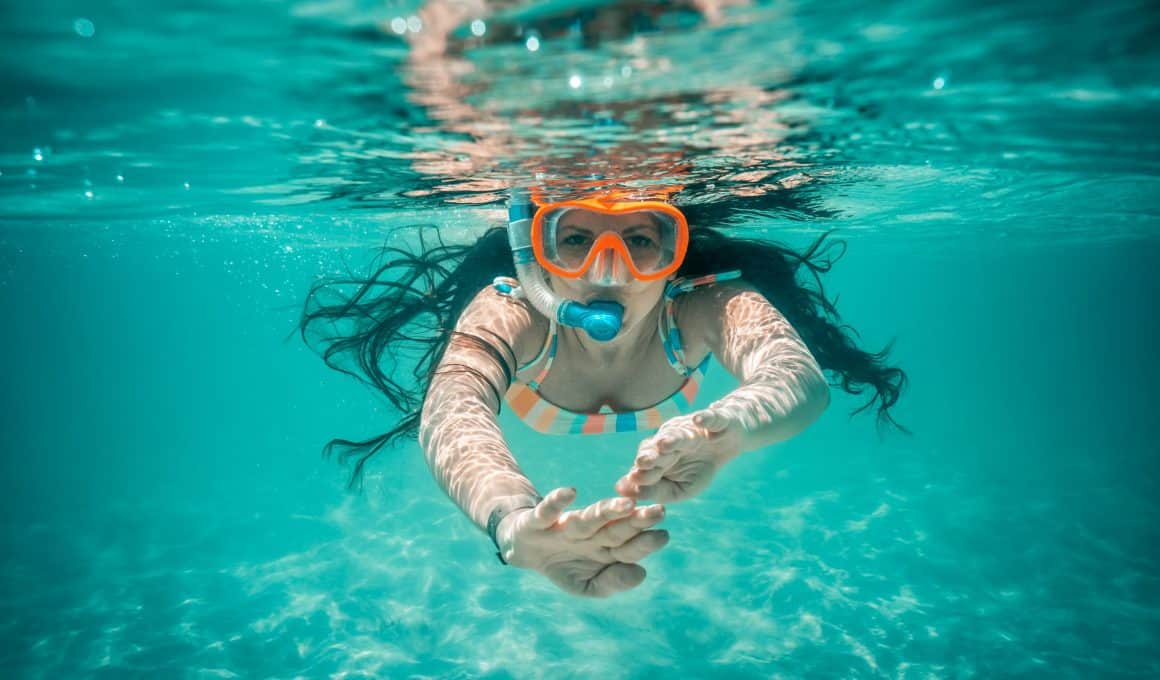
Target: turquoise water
x,y
175,176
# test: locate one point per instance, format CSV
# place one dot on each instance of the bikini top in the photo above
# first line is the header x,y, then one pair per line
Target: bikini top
x,y
544,416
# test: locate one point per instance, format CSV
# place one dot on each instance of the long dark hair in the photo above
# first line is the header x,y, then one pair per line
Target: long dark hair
x,y
401,318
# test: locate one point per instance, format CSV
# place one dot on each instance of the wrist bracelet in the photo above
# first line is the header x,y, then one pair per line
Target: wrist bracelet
x,y
502,511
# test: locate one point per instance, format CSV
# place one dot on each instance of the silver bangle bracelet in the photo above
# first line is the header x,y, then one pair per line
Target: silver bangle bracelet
x,y
503,510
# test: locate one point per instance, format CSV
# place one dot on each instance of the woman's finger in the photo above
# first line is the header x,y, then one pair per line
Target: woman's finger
x,y
713,421
614,534
620,531
625,488
647,453
643,518
677,437
616,577
666,491
670,434
641,546
663,491
584,524
626,485
647,477
549,509
650,456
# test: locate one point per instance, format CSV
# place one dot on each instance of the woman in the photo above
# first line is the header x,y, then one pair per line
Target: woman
x,y
619,282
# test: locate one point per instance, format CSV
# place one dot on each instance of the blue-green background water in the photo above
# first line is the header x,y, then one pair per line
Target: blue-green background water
x,y
174,182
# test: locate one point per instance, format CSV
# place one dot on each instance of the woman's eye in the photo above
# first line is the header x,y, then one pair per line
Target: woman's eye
x,y
640,242
575,240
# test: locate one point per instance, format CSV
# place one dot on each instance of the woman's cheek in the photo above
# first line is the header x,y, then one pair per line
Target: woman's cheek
x,y
643,302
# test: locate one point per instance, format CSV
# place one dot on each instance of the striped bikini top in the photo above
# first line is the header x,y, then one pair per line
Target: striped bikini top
x,y
544,416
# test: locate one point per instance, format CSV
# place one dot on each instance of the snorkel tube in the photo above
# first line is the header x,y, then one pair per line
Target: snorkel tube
x,y
600,319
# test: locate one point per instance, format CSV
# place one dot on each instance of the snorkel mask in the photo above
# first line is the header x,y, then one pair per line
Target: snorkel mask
x,y
606,241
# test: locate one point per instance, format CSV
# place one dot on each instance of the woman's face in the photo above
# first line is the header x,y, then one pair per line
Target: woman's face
x,y
609,277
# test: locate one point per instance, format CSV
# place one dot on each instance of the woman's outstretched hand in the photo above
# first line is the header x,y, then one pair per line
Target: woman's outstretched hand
x,y
592,552
679,461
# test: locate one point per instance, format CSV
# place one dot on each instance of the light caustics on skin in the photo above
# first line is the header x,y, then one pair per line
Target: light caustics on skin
x,y
782,387
458,430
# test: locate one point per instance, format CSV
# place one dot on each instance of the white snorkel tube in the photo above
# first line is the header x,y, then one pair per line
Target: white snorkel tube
x,y
601,319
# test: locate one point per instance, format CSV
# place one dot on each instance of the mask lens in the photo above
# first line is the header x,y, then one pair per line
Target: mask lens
x,y
647,237
570,245
644,246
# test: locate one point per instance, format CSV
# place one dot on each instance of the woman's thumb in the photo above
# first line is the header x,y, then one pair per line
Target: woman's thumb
x,y
711,420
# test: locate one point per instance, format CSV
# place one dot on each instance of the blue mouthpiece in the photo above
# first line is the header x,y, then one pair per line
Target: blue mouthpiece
x,y
599,318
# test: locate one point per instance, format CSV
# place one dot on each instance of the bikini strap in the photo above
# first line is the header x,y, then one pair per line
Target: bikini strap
x,y
506,285
550,347
667,323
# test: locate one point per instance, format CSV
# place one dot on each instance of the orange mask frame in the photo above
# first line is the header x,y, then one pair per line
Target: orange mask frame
x,y
610,240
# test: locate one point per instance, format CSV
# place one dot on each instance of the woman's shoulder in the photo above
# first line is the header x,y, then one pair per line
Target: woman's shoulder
x,y
497,312
700,312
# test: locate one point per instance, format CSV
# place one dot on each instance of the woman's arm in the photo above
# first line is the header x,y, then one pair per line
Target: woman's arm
x,y
591,551
458,432
782,387
782,391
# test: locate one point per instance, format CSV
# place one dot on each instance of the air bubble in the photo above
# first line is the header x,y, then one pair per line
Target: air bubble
x,y
84,28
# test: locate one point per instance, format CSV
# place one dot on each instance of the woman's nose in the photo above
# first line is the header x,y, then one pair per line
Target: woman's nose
x,y
609,269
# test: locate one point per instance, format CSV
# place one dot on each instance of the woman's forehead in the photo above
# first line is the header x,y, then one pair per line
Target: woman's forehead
x,y
591,219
